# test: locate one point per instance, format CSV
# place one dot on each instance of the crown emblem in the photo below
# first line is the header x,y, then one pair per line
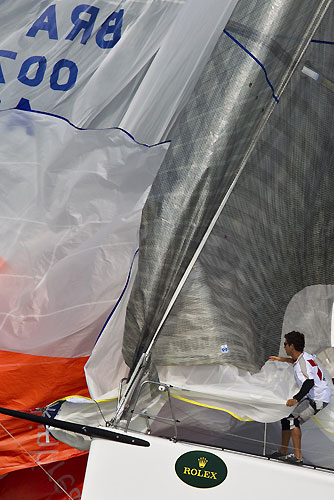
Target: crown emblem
x,y
202,462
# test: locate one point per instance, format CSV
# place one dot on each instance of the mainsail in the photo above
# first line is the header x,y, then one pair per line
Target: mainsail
x,y
274,234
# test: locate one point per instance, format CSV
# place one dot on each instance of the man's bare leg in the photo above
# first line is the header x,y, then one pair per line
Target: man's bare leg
x,y
296,435
285,441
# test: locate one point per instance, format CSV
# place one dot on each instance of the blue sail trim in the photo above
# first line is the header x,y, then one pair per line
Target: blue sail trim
x,y
24,105
256,60
121,296
322,41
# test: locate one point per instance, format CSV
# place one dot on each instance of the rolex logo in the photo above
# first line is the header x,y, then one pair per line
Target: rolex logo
x,y
202,462
193,469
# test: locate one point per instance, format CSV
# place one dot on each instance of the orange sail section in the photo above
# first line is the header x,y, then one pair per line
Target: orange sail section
x,y
35,484
27,382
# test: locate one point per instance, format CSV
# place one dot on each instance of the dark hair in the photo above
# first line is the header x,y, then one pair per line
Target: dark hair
x,y
297,339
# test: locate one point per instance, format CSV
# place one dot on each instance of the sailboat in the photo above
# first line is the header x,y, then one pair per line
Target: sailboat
x,y
235,250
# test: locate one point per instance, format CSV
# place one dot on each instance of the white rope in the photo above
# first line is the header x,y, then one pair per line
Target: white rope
x,y
35,461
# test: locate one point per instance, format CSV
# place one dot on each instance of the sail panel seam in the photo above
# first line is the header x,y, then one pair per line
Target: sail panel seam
x,y
256,60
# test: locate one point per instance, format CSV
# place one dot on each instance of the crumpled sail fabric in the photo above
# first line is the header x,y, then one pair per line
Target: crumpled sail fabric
x,y
69,218
101,64
229,388
274,235
71,204
245,396
101,374
81,411
309,311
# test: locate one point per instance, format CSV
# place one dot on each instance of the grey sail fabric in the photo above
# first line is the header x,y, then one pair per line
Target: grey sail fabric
x,y
274,236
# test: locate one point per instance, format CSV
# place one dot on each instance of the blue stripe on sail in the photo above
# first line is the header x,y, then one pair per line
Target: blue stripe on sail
x,y
121,296
24,103
256,60
322,41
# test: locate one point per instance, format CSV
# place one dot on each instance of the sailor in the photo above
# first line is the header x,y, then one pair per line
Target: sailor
x,y
313,396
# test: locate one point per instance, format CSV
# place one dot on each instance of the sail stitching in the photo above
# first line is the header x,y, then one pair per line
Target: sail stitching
x,y
35,461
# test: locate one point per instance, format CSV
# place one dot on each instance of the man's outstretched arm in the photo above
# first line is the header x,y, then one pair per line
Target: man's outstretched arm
x,y
280,358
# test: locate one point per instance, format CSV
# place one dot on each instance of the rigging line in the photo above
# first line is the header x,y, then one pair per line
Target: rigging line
x,y
97,404
35,461
256,60
323,41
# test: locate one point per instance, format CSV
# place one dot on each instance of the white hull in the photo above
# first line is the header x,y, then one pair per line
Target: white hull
x,y
121,471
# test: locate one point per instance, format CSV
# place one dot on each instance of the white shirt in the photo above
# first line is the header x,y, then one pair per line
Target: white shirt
x,y
306,368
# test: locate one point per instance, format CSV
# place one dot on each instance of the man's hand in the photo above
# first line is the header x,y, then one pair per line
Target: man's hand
x,y
275,358
291,402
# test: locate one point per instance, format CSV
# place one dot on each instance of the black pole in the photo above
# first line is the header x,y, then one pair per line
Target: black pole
x,y
77,428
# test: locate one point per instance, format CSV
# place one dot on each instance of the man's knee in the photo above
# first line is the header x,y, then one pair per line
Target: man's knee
x,y
289,423
296,421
